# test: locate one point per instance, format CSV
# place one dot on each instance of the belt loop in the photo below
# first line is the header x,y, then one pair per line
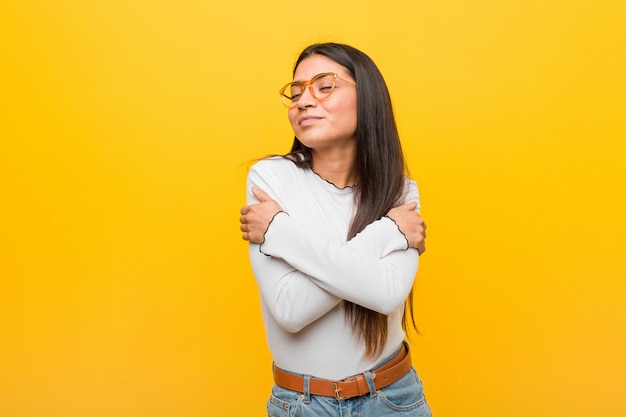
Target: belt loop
x,y
307,389
369,377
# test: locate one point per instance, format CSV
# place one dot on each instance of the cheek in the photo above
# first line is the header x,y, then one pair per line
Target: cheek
x,y
291,115
349,116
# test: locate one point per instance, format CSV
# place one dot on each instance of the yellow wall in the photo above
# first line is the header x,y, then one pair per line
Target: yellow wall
x,y
125,132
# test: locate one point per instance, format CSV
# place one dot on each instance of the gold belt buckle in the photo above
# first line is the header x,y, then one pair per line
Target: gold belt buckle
x,y
337,396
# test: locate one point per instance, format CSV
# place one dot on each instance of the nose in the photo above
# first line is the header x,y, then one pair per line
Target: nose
x,y
306,99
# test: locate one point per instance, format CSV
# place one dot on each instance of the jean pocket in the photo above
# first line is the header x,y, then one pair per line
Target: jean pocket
x,y
406,395
283,403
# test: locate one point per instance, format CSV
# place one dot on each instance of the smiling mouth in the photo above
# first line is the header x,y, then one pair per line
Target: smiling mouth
x,y
308,121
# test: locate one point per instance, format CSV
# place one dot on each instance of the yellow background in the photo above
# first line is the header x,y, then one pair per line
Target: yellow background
x,y
126,128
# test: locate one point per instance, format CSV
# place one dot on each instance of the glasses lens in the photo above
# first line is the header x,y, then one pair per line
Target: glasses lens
x,y
291,93
323,85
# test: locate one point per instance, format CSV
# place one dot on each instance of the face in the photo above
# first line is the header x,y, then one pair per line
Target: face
x,y
328,123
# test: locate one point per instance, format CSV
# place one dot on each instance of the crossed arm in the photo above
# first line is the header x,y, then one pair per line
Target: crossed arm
x,y
302,279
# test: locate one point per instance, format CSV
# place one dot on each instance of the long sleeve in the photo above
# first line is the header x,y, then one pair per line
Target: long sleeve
x,y
377,276
292,298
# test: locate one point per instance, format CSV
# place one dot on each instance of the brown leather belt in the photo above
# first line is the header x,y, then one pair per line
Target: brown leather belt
x,y
350,387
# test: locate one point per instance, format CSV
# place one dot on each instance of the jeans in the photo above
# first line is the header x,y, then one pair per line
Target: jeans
x,y
404,397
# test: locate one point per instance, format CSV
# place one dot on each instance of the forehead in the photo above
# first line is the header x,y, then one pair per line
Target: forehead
x,y
316,64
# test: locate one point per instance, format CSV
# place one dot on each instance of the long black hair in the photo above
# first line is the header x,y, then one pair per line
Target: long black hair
x,y
379,164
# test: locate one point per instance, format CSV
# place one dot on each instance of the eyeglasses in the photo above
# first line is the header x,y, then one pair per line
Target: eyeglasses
x,y
321,87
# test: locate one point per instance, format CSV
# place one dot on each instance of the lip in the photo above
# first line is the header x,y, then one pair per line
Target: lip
x,y
308,120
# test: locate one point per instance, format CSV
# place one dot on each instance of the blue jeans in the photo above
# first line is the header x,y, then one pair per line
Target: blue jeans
x,y
405,397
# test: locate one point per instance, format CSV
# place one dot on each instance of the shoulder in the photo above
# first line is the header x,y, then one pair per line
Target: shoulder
x,y
411,192
276,171
409,184
274,165
279,177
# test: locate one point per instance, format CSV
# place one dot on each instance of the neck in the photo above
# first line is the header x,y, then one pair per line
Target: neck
x,y
337,169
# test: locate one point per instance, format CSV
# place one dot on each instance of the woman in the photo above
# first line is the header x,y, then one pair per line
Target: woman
x,y
334,238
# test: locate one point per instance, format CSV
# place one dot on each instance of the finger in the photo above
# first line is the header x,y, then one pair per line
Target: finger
x,y
244,209
245,236
261,195
243,220
244,228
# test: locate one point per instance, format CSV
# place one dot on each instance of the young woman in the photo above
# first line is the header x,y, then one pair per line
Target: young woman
x,y
335,236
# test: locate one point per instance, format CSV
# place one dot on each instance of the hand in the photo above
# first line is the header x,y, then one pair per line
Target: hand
x,y
410,224
256,218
